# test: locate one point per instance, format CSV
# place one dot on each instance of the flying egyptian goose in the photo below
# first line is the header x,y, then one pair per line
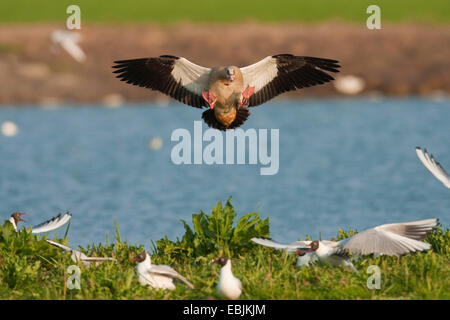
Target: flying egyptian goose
x,y
393,239
77,256
433,166
157,276
229,286
225,90
49,225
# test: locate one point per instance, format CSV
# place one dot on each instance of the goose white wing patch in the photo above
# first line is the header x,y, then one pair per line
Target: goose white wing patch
x,y
433,166
191,76
176,77
260,73
276,74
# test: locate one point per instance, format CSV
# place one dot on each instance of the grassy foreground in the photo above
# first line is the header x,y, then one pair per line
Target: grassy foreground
x,y
223,11
32,269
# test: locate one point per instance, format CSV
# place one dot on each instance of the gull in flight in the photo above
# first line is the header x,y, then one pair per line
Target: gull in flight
x,y
77,256
229,286
393,239
433,166
226,90
69,42
157,276
49,225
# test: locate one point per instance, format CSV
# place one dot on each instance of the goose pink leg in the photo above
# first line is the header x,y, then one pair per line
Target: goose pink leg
x,y
246,94
209,97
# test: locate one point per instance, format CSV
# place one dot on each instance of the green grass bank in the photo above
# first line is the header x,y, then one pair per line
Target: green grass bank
x,y
224,11
32,269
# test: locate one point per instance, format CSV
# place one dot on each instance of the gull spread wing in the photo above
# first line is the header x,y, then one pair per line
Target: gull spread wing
x,y
52,224
289,247
433,166
170,272
59,245
78,255
391,239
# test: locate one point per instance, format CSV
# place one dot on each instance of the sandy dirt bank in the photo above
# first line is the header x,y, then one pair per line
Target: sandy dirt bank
x,y
398,60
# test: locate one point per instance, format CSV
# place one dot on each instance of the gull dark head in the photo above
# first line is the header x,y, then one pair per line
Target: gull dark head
x,y
140,257
221,261
230,73
313,246
17,216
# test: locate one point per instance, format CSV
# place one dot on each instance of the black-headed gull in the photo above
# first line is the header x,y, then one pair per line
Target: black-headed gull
x,y
433,166
157,276
77,256
229,286
49,225
393,239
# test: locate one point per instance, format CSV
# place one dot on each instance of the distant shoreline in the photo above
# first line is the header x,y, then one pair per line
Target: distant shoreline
x,y
173,103
399,60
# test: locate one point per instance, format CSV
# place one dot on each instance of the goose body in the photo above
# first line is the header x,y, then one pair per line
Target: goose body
x,y
225,90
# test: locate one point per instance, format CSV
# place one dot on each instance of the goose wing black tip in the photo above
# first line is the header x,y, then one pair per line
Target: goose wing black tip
x,y
174,76
285,72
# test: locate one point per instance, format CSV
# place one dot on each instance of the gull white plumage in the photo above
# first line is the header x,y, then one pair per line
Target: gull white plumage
x,y
433,166
69,41
393,239
302,260
229,286
77,256
157,276
46,226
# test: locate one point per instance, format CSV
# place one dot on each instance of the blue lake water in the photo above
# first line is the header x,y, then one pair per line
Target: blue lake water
x,y
343,163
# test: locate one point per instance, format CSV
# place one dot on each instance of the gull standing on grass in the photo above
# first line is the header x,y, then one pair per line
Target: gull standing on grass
x,y
80,256
157,276
393,239
229,286
433,166
49,225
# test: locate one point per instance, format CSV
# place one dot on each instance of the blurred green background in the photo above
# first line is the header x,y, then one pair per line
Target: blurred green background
x,y
168,11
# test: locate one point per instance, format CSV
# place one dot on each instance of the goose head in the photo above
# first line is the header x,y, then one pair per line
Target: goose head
x,y
230,73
